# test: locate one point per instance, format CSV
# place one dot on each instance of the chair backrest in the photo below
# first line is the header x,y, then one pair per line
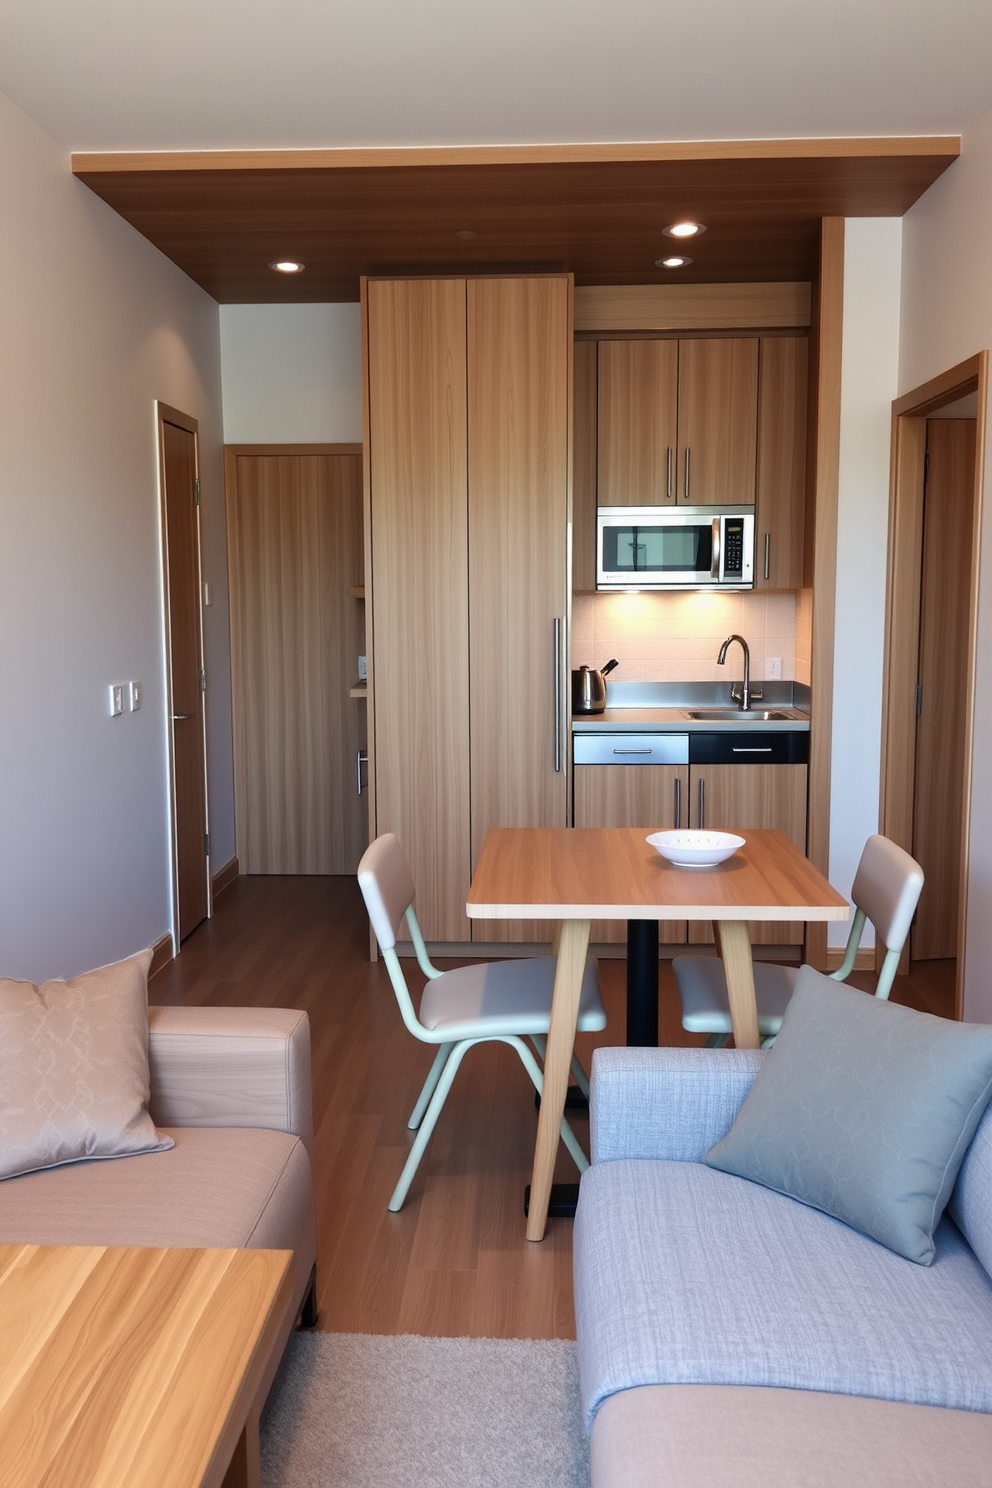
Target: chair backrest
x,y
886,891
386,883
887,888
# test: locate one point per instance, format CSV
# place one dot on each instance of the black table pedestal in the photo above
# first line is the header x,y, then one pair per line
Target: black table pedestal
x,y
642,983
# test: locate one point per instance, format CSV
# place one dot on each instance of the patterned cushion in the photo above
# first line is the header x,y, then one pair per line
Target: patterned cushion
x,y
865,1110
74,1068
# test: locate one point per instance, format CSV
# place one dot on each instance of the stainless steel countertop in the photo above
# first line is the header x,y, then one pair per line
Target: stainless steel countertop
x,y
664,707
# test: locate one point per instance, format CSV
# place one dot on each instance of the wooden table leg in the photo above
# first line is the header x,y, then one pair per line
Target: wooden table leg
x,y
734,945
573,945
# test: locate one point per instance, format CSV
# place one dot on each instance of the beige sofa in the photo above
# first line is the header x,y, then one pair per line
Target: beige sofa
x,y
231,1086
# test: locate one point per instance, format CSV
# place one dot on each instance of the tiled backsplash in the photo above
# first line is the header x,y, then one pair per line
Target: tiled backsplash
x,y
676,637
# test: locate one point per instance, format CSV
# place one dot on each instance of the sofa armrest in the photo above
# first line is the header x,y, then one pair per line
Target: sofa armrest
x,y
668,1104
220,1066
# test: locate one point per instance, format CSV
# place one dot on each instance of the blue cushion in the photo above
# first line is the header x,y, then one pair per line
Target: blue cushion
x,y
864,1110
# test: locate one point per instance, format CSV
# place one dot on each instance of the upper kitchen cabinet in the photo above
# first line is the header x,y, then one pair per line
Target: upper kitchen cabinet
x,y
468,408
677,421
781,491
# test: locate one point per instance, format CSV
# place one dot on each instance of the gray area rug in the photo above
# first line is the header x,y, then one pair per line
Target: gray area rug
x,y
358,1411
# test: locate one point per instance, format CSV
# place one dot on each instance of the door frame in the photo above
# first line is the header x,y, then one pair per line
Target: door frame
x,y
166,414
902,616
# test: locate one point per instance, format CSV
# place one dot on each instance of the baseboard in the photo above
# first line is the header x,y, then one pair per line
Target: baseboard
x,y
225,877
863,961
161,955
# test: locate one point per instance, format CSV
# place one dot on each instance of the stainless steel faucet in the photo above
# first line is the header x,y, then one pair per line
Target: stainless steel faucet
x,y
739,695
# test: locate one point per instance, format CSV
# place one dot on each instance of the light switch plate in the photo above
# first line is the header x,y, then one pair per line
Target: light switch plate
x,y
134,696
116,699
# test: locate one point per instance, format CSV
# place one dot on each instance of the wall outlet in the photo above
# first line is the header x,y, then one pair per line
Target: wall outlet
x,y
116,699
773,668
133,696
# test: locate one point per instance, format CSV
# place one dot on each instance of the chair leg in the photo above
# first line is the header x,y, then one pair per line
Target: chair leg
x,y
718,1040
430,1085
534,1070
442,1085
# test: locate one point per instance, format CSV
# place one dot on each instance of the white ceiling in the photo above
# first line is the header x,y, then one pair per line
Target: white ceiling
x,y
201,74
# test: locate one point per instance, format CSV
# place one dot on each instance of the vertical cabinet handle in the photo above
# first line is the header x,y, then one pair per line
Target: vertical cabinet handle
x,y
678,802
702,804
768,555
685,481
361,758
715,550
668,473
557,639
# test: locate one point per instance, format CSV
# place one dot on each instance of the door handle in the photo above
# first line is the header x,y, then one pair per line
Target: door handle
x,y
715,550
668,473
557,641
685,480
180,717
361,758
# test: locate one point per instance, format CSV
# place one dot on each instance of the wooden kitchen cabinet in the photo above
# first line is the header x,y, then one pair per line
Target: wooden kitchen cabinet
x,y
735,797
781,470
467,408
648,796
637,420
718,421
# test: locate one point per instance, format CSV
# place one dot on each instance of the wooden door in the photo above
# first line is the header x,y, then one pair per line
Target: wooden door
x,y
519,385
418,521
943,681
781,471
638,422
295,547
654,797
718,421
181,494
731,798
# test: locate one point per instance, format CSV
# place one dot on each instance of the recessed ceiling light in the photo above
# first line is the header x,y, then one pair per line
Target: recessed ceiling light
x,y
677,261
464,233
287,266
683,230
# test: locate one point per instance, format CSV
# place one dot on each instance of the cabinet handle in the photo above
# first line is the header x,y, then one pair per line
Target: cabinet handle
x,y
668,473
678,802
768,555
557,639
633,751
702,803
765,749
361,758
685,482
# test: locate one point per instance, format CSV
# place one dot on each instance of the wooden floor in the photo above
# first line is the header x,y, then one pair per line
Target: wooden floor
x,y
454,1261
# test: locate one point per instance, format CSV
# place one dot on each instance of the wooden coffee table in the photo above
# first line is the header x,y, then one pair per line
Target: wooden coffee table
x,y
135,1368
575,875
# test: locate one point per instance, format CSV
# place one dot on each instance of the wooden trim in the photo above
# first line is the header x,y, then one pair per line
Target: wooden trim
x,y
824,473
295,449
231,453
390,157
161,955
225,877
166,414
902,616
691,307
863,961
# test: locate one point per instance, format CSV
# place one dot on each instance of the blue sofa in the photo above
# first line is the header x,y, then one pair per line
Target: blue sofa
x,y
730,1335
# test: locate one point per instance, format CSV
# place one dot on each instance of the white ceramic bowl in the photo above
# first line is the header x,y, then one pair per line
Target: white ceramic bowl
x,y
695,849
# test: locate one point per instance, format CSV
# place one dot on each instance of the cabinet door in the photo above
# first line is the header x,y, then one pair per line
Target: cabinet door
x,y
584,415
418,476
654,797
718,421
732,798
781,490
638,422
519,385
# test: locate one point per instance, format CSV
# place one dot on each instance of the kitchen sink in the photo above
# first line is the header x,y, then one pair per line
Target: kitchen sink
x,y
730,715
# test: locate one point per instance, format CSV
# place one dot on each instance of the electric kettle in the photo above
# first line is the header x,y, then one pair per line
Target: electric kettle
x,y
589,688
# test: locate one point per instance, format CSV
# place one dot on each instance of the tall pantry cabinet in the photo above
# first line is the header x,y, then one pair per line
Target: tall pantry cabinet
x,y
467,507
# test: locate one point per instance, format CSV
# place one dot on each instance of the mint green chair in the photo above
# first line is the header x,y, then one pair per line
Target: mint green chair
x,y
494,1001
886,891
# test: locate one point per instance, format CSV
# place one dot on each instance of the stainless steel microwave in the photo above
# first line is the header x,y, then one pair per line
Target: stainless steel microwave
x,y
675,547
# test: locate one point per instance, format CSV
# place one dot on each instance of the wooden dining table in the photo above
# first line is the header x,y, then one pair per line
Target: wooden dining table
x,y
574,875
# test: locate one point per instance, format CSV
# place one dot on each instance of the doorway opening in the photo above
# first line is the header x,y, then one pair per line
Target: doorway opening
x,y
938,433
185,671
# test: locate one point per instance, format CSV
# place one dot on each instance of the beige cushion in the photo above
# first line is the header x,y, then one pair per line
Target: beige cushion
x,y
734,1436
74,1068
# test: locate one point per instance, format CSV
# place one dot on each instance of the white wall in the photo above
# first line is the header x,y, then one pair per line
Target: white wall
x,y
292,374
869,373
947,317
97,324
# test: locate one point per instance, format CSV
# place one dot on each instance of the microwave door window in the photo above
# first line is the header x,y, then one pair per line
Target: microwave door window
x,y
657,550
